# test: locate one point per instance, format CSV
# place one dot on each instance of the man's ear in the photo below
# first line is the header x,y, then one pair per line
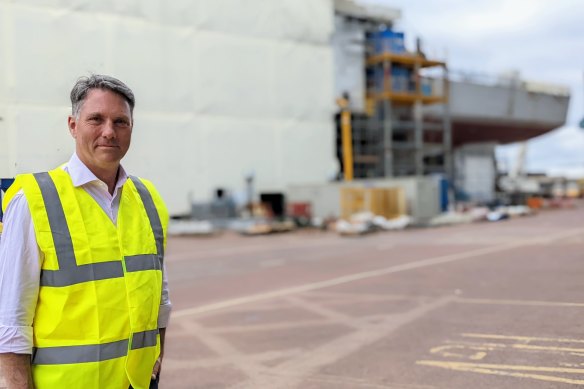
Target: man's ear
x,y
72,122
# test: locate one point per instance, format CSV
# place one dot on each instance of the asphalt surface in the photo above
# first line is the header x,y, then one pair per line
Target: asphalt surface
x,y
489,305
493,305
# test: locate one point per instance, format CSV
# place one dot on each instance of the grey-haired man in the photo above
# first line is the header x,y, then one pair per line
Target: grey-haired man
x,y
83,293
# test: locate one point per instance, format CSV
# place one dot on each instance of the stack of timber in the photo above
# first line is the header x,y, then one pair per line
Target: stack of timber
x,y
365,210
387,202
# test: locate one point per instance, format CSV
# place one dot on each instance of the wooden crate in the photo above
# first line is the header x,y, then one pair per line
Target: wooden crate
x,y
386,202
396,203
352,201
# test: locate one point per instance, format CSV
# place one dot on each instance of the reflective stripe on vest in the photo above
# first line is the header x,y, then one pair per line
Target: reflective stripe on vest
x,y
69,272
144,339
93,352
152,215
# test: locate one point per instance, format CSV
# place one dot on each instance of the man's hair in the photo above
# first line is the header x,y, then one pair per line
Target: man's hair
x,y
99,81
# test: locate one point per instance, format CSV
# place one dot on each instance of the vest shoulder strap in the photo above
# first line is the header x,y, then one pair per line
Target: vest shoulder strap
x,y
11,192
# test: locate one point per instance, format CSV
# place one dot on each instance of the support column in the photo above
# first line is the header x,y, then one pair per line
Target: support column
x,y
447,136
418,138
387,139
418,124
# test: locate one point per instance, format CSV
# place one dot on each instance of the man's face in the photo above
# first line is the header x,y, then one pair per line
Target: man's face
x,y
102,130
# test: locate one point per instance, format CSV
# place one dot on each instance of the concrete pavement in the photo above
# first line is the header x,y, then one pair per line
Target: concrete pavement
x,y
495,305
475,306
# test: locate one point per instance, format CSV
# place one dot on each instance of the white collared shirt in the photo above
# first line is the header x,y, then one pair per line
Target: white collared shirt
x,y
20,260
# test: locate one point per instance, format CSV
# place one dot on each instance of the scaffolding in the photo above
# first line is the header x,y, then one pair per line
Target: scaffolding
x,y
393,138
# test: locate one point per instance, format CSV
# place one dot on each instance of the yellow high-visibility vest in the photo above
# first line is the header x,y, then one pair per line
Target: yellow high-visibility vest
x,y
96,319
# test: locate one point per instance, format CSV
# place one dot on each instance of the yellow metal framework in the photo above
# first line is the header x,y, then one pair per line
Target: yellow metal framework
x,y
347,144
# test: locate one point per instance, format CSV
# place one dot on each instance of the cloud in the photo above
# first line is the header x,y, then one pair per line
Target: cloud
x,y
560,149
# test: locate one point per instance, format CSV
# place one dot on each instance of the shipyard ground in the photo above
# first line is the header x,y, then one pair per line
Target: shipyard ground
x,y
493,305
496,305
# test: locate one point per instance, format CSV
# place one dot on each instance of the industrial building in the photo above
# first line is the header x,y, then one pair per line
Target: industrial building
x,y
228,90
422,121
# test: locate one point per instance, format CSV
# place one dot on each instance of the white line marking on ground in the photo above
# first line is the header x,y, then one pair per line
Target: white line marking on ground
x,y
370,274
534,303
299,369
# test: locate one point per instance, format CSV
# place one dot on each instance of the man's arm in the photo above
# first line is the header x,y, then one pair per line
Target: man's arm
x,y
16,370
163,318
19,286
162,334
158,364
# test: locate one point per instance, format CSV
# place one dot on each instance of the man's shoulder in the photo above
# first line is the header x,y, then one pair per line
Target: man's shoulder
x,y
144,181
26,182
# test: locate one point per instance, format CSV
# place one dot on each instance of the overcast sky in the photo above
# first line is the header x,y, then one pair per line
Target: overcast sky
x,y
542,39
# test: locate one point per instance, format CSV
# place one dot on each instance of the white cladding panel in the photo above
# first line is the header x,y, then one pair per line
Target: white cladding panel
x,y
475,171
223,88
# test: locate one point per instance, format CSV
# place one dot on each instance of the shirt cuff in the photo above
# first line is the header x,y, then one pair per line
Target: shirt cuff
x,y
164,315
17,340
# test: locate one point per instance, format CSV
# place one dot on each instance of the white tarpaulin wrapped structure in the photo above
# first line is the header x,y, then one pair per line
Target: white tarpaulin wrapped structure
x,y
223,87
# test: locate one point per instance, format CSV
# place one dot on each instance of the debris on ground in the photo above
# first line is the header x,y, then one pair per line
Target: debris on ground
x,y
253,227
452,218
398,223
366,222
478,214
191,227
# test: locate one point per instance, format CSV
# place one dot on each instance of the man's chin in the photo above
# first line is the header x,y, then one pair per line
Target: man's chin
x,y
110,157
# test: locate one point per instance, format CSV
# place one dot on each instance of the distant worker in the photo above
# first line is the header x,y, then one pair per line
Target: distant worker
x,y
83,293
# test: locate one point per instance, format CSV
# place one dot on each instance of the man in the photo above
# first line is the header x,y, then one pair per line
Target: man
x,y
83,294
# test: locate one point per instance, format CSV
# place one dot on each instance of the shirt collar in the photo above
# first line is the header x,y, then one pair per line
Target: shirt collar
x,y
81,175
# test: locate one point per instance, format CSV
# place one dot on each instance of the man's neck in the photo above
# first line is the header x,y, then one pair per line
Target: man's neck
x,y
109,176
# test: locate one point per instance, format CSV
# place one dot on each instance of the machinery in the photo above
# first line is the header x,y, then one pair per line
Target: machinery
x,y
4,185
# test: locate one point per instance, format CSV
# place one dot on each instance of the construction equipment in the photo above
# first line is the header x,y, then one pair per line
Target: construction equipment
x,y
517,184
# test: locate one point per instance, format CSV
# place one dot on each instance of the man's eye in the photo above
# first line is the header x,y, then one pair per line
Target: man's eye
x,y
122,123
94,119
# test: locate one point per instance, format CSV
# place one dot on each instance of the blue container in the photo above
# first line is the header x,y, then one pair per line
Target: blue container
x,y
4,185
444,194
427,90
400,78
426,87
379,79
388,41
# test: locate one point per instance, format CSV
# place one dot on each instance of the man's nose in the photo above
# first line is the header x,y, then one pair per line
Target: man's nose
x,y
108,130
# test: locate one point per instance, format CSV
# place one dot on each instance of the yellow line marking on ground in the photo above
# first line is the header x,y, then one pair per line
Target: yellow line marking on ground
x,y
478,346
485,368
369,274
546,348
477,352
447,351
493,347
519,302
543,369
521,338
